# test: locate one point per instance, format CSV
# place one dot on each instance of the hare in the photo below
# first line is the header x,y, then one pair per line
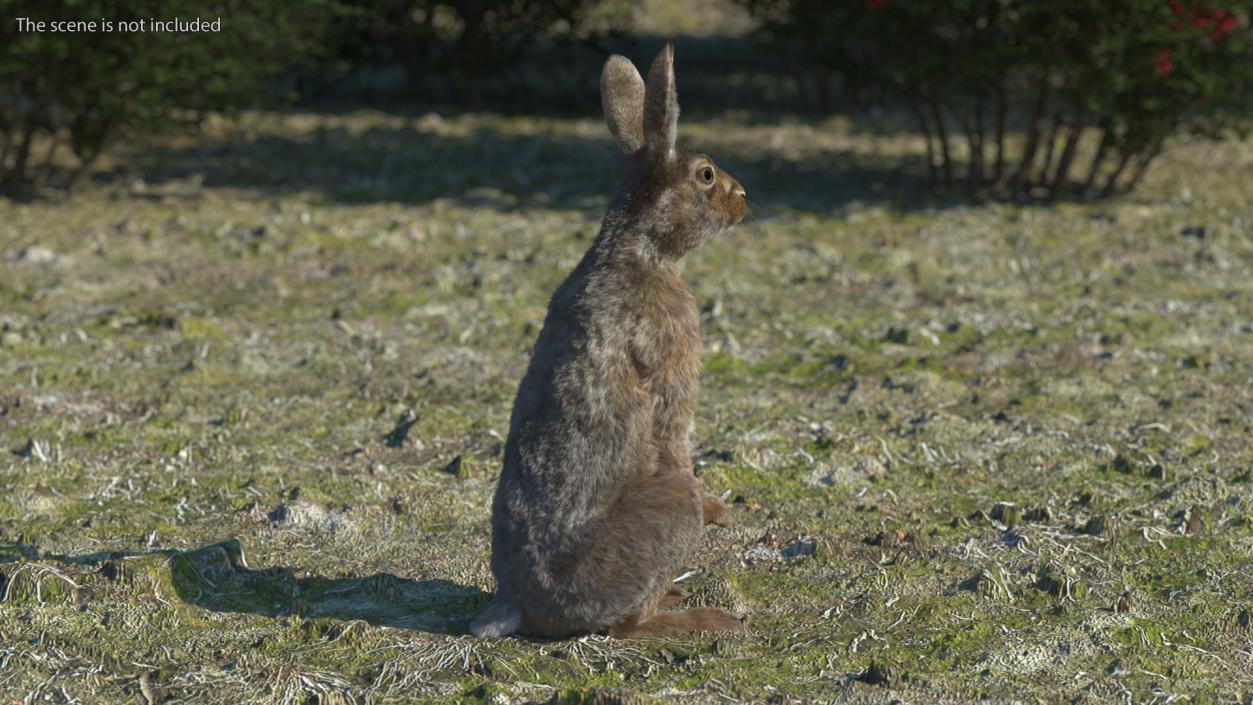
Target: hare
x,y
597,508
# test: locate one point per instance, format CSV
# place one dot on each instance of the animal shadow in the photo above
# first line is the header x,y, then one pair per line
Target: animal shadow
x,y
218,578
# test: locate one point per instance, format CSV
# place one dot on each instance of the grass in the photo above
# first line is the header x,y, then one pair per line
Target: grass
x,y
254,386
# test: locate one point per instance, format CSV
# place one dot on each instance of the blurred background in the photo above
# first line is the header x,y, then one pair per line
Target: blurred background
x,y
978,367
1008,98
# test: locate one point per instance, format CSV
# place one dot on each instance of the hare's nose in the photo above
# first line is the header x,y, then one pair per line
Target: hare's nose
x,y
739,191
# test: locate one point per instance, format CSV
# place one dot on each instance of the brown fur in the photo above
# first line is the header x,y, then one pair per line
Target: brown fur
x,y
672,598
698,619
597,508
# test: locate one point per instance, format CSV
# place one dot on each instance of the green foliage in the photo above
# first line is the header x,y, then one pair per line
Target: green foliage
x,y
87,89
463,39
1109,79
79,91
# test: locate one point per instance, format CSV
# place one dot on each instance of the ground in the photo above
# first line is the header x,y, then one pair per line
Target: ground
x,y
254,387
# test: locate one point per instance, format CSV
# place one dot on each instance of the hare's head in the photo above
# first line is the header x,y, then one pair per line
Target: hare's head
x,y
678,198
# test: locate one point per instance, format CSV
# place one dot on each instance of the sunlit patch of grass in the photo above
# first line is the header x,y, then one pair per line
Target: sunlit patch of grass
x,y
884,376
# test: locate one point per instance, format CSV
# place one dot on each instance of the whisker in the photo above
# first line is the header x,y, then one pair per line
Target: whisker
x,y
755,210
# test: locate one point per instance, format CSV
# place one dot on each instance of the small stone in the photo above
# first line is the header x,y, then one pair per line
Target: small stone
x,y
36,255
801,547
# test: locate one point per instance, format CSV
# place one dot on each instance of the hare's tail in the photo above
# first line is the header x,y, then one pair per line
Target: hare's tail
x,y
499,619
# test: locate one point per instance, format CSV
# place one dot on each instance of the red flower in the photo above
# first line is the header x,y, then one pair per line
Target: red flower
x,y
1220,23
876,5
1163,63
1224,23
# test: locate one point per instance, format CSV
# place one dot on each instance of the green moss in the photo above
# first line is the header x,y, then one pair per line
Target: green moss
x,y
877,380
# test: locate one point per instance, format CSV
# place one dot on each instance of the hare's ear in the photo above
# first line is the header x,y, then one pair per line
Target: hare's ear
x,y
622,96
661,104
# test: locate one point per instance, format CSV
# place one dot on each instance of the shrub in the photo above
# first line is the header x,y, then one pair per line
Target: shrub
x,y
87,89
460,40
1108,80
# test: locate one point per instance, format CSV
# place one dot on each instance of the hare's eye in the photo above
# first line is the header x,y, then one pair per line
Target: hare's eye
x,y
706,174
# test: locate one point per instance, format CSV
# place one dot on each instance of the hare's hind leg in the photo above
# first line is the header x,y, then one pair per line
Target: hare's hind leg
x,y
627,565
698,619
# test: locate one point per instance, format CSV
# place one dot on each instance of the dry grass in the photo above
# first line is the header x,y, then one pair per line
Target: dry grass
x,y
975,451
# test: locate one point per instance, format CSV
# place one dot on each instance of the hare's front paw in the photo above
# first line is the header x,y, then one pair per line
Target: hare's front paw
x,y
714,511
